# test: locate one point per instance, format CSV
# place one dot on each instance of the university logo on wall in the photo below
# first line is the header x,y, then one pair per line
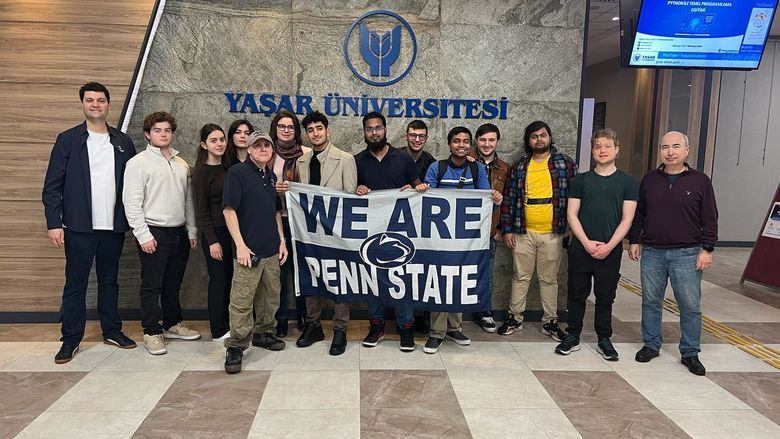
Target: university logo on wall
x,y
380,48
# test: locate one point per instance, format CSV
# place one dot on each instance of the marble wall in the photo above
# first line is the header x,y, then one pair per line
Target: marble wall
x,y
529,51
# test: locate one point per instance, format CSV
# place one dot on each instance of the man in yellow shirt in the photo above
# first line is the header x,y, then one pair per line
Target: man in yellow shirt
x,y
533,223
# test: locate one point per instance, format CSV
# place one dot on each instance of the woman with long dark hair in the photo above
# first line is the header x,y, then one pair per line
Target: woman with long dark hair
x,y
238,133
208,180
288,147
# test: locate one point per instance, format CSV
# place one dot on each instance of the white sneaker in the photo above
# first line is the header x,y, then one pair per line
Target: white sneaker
x,y
223,338
181,331
155,344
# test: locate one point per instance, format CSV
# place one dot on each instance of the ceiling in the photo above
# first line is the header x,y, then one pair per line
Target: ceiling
x,y
604,33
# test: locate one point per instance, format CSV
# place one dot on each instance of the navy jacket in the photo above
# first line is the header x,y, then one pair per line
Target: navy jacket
x,y
67,189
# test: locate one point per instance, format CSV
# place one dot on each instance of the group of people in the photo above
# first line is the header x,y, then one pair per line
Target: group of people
x,y
97,188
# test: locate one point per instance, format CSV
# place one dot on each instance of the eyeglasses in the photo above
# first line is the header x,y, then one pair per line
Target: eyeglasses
x,y
285,127
417,136
371,130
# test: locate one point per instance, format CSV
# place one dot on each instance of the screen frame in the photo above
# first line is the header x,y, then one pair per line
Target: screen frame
x,y
626,53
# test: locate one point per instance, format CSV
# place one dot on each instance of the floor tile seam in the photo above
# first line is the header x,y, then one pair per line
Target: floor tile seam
x,y
718,330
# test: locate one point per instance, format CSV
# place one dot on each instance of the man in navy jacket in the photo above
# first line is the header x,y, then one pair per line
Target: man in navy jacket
x,y
84,213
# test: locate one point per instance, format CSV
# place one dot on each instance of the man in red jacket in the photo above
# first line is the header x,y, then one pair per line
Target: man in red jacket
x,y
677,223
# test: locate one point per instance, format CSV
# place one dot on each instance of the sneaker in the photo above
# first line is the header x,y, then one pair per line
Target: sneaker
x,y
510,326
568,345
375,334
233,357
407,340
268,341
311,334
339,344
155,344
65,354
224,337
432,345
459,338
281,328
121,341
487,324
181,331
645,354
552,329
694,365
605,348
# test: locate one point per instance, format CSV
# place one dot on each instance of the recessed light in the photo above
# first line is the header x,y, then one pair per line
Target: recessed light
x,y
615,18
690,85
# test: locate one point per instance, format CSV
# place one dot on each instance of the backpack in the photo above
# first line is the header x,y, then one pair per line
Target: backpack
x,y
472,166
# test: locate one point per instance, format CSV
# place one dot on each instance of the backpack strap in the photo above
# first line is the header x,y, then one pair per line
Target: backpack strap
x,y
442,171
474,172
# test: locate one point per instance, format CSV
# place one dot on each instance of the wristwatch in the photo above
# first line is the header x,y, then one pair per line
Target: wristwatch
x,y
708,248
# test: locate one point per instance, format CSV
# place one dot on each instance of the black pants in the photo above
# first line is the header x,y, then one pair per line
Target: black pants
x,y
104,247
161,275
286,277
220,279
605,274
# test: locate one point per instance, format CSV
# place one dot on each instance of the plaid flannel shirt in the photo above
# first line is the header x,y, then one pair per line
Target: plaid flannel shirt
x,y
562,171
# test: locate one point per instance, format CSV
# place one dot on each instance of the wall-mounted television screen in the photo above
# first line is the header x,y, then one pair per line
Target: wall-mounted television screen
x,y
705,34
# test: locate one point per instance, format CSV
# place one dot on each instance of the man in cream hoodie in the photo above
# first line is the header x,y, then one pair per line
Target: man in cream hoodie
x,y
158,203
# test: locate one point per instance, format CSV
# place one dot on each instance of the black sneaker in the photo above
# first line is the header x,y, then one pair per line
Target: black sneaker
x,y
510,326
552,330
459,338
375,334
65,354
568,345
281,328
311,334
645,354
432,345
121,341
606,349
407,340
268,341
233,357
339,344
694,365
486,322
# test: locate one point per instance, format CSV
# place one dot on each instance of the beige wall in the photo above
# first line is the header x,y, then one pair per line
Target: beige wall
x,y
607,82
49,49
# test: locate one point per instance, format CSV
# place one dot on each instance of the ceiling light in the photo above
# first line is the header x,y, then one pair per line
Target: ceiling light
x,y
615,18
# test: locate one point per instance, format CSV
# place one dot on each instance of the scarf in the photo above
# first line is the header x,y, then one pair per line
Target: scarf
x,y
289,151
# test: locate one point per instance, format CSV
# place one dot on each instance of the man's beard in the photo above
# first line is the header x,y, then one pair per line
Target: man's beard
x,y
540,149
378,145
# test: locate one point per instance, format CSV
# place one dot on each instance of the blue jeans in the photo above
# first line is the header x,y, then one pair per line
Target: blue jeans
x,y
679,266
104,247
404,314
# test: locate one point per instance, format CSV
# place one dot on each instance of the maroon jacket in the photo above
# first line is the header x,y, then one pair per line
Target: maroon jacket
x,y
682,214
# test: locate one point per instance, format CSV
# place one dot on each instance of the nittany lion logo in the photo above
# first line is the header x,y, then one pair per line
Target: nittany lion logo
x,y
387,250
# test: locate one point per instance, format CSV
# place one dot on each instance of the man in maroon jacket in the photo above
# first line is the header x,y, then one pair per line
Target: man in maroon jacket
x,y
677,223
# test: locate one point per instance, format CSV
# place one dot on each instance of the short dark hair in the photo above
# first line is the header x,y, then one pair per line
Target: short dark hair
x,y
94,86
314,117
605,133
296,123
417,124
487,128
458,130
530,129
374,115
157,117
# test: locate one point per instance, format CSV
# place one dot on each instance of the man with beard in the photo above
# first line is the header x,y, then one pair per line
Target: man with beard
x,y
487,137
533,222
327,166
380,166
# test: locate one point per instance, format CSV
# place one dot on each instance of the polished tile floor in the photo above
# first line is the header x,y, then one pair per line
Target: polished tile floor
x,y
498,387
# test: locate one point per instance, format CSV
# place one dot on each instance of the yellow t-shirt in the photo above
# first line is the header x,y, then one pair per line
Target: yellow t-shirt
x,y
538,186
